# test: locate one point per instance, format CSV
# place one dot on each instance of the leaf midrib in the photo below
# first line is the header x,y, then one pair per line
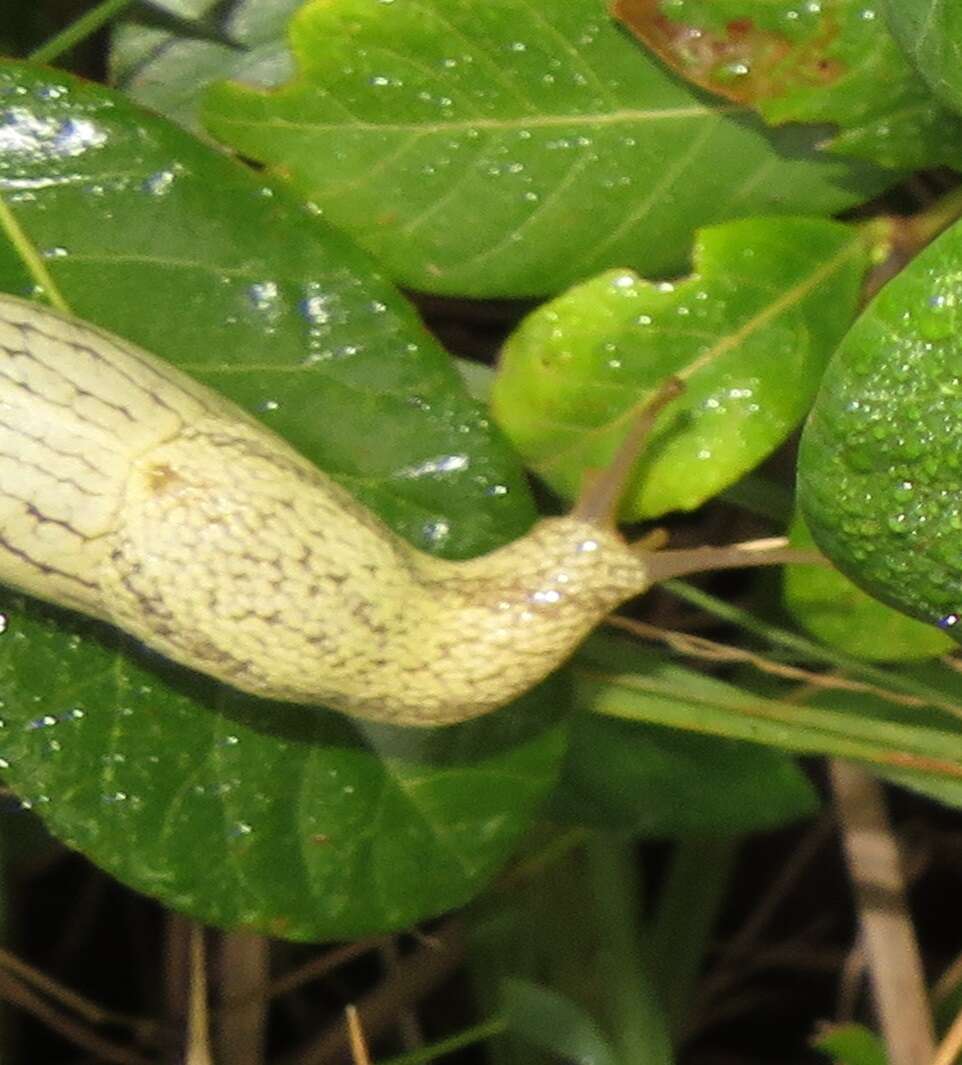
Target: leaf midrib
x,y
624,116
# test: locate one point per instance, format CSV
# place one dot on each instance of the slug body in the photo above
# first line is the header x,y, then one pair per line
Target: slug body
x,y
131,493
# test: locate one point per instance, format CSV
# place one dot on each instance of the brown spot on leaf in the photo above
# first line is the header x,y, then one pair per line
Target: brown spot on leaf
x,y
744,63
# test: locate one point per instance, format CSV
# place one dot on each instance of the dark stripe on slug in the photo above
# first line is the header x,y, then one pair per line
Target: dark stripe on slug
x,y
154,366
41,441
20,460
44,567
44,519
28,329
58,370
37,396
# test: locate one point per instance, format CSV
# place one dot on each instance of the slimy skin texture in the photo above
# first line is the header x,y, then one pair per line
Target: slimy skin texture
x,y
131,493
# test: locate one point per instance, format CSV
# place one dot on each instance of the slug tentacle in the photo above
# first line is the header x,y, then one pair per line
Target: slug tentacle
x,y
603,489
771,551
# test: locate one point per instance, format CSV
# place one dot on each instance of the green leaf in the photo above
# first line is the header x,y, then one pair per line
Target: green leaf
x,y
937,677
930,33
748,332
549,1021
513,148
833,62
838,613
166,68
637,685
241,812
944,789
881,457
629,775
852,1044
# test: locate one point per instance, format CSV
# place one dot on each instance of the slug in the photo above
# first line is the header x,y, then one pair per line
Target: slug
x,y
131,493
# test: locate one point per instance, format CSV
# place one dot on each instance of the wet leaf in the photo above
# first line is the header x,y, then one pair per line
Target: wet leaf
x,y
514,148
748,332
880,466
833,62
240,812
840,614
930,33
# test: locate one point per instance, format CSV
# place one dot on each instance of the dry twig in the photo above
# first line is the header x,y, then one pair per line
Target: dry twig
x,y
888,935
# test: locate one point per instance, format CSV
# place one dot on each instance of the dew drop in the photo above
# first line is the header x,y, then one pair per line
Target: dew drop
x,y
159,183
546,596
436,532
42,722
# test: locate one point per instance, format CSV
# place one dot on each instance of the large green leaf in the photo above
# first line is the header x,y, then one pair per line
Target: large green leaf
x,y
748,332
832,61
829,606
511,148
289,819
930,32
880,467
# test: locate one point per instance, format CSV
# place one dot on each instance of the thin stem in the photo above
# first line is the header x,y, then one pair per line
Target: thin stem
x,y
927,225
22,245
638,1024
888,935
692,646
951,1046
694,889
539,862
418,974
360,1055
480,1032
791,641
198,1020
90,1011
81,28
14,992
243,966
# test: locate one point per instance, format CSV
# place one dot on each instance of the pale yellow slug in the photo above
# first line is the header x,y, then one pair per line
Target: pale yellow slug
x,y
132,493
